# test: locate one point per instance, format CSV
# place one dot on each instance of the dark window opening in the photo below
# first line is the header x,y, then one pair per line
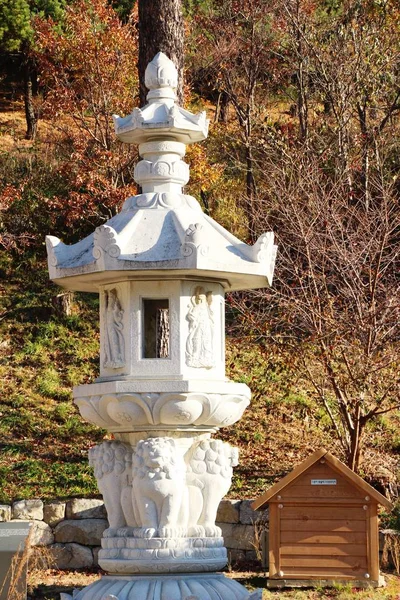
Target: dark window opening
x,y
156,329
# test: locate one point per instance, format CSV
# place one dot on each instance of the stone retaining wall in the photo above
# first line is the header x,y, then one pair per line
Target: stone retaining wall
x,y
72,530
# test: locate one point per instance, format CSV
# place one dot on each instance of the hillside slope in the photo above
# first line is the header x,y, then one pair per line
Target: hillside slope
x,y
43,353
44,441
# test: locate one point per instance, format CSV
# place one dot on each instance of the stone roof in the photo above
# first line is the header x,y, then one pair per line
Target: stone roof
x,y
161,232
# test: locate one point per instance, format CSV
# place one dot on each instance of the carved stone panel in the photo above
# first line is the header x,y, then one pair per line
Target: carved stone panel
x,y
200,340
114,344
129,411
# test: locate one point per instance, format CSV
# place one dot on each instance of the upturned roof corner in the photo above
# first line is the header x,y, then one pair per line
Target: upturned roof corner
x,y
161,231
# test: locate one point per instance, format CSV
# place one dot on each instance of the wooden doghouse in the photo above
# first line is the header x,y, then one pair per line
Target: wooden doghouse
x,y
323,525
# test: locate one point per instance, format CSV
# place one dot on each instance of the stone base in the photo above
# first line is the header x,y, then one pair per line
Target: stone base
x,y
168,587
166,555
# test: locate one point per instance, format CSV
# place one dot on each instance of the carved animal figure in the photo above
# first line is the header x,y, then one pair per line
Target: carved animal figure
x,y
209,478
159,489
112,463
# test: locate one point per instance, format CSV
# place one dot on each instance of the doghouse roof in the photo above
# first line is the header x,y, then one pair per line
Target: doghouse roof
x,y
336,465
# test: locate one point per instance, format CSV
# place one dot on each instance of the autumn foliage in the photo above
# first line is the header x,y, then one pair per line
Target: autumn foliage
x,y
87,67
304,99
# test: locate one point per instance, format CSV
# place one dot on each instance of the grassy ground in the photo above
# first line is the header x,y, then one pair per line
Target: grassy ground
x,y
48,584
44,441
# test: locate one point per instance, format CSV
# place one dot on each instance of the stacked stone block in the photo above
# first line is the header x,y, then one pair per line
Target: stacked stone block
x,y
72,529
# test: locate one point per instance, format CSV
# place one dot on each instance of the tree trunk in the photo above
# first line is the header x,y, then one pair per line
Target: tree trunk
x,y
162,333
356,434
302,103
161,29
302,80
30,87
223,102
353,459
362,119
63,303
251,193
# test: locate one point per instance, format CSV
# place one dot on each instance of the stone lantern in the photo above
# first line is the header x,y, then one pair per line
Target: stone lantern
x,y
161,268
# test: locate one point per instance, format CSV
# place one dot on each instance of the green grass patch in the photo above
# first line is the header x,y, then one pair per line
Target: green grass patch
x,y
44,441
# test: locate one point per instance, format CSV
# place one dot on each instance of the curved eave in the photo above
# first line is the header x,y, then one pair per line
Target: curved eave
x,y
159,243
91,281
144,134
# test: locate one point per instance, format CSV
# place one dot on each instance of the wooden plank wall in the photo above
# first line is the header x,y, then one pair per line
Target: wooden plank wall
x,y
326,541
321,531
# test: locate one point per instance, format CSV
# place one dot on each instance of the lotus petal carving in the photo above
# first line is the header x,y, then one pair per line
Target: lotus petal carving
x,y
178,408
128,411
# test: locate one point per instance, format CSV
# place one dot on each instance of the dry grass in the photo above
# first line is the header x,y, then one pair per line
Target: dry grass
x,y
391,551
48,584
17,573
13,129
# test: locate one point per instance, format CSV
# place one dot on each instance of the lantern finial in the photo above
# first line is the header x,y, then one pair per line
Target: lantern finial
x,y
160,73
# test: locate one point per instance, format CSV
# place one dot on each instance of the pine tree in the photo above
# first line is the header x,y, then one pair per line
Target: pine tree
x,y
16,35
160,30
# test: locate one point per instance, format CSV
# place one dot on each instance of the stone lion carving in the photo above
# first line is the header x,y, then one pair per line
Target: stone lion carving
x,y
159,490
209,478
112,463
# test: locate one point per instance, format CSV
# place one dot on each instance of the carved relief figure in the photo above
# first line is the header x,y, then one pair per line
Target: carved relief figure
x,y
199,343
159,489
209,478
112,464
114,340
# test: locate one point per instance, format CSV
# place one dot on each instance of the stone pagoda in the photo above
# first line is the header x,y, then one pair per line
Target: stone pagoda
x,y
161,268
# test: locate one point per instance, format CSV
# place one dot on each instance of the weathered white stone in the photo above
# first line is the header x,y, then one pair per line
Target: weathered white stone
x,y
161,267
169,587
54,512
122,553
85,508
228,511
27,509
238,536
112,464
191,242
185,403
256,595
41,534
72,556
85,531
5,513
